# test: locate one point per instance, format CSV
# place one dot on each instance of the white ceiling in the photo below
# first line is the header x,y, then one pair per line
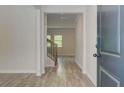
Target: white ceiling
x,y
64,20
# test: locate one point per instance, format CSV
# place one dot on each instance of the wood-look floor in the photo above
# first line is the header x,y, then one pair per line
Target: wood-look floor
x,y
67,74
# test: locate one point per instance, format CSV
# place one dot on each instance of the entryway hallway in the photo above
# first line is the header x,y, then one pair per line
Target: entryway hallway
x,y
67,74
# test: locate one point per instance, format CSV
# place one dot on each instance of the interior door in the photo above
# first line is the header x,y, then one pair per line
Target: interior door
x,y
110,46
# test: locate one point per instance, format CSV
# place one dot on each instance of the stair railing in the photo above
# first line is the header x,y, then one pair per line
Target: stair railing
x,y
52,50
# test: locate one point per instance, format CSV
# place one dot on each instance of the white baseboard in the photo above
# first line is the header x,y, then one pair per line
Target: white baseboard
x,y
79,65
91,79
84,72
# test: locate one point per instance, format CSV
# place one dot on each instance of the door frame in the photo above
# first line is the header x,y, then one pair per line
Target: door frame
x,y
43,38
44,35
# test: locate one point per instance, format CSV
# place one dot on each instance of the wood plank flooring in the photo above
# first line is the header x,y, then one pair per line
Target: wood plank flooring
x,y
67,74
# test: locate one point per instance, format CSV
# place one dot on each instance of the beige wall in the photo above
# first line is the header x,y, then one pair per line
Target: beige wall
x,y
68,47
17,39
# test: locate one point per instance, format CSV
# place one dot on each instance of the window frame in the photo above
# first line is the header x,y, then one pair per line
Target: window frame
x,y
59,45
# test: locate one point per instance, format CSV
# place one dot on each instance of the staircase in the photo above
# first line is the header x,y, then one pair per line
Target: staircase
x,y
51,53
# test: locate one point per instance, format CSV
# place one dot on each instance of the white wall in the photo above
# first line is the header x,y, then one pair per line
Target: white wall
x,y
79,41
17,39
64,8
91,31
68,41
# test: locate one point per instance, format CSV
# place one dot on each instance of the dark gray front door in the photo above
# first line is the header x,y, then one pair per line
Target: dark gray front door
x,y
110,45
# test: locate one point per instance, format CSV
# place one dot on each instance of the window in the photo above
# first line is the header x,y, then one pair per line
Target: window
x,y
58,40
49,37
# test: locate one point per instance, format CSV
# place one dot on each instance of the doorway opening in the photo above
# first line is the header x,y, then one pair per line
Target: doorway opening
x,y
61,38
